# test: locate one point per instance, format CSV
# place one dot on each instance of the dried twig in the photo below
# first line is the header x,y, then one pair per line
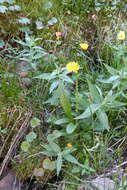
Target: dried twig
x,y
15,142
114,170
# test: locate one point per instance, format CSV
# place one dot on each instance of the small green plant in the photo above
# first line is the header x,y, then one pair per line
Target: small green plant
x,y
8,82
94,102
9,10
52,149
30,137
31,52
3,131
8,5
82,108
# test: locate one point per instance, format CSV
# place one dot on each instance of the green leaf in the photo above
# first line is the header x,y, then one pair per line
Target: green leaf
x,y
24,20
48,164
75,170
89,111
54,100
71,128
56,134
31,136
111,79
95,94
47,147
61,121
3,9
117,104
71,159
35,122
66,78
111,70
25,146
59,164
65,102
14,8
102,116
55,147
53,86
52,21
52,166
38,172
48,153
45,76
3,131
2,1
9,1
108,98
68,151
2,43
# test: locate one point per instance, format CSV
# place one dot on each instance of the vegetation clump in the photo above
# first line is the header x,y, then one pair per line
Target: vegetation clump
x,y
63,77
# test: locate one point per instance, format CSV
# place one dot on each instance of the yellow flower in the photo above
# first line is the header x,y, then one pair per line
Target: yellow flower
x,y
69,145
84,46
72,67
121,35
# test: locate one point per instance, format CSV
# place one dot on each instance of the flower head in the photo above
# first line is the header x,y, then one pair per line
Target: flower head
x,y
121,35
72,67
84,46
69,145
58,34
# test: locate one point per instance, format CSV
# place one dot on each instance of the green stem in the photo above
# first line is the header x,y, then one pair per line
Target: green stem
x,y
76,92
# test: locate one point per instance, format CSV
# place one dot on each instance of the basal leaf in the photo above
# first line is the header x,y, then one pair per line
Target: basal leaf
x,y
89,111
71,128
103,118
56,134
111,70
61,121
35,122
45,76
25,146
53,86
72,159
65,102
59,164
55,147
48,164
94,93
31,136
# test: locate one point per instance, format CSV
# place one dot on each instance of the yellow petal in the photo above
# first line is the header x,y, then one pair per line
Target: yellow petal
x,y
121,35
84,46
72,67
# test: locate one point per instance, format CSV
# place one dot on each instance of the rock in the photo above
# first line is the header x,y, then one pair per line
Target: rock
x,y
103,183
99,183
10,182
26,82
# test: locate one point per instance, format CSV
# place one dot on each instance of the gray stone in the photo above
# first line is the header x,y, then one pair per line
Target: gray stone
x,y
103,183
10,182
